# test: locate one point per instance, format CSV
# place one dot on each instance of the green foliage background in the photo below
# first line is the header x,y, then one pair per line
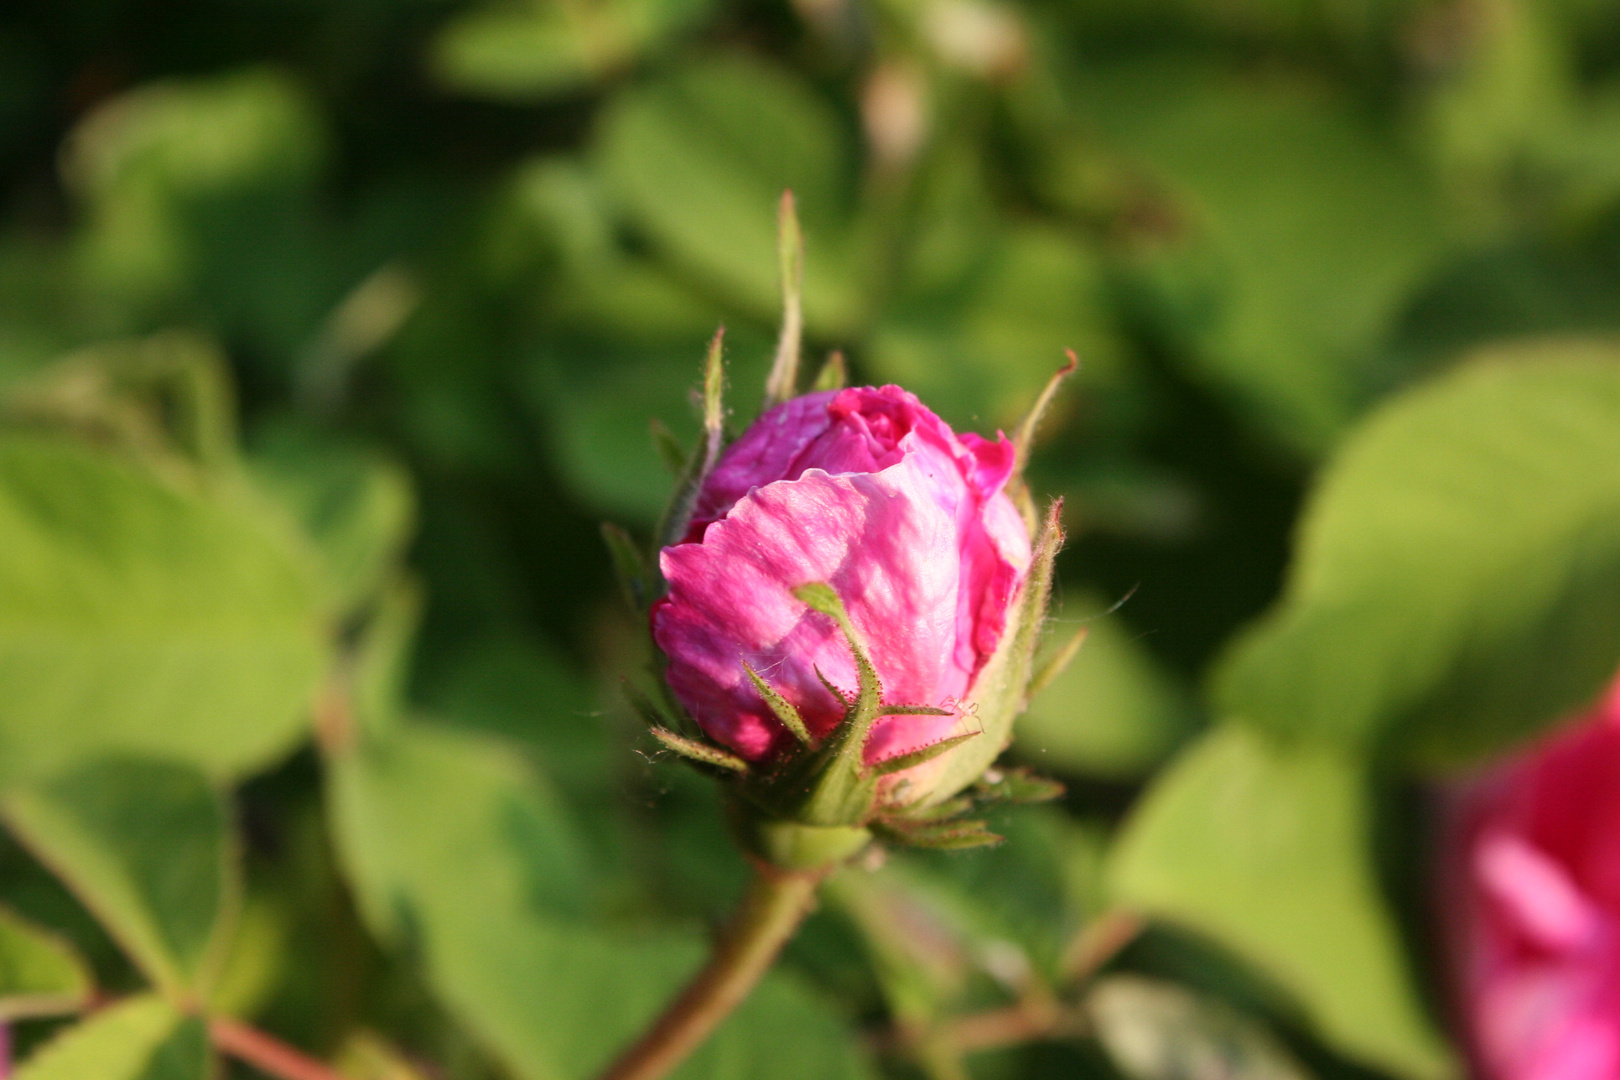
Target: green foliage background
x,y
331,329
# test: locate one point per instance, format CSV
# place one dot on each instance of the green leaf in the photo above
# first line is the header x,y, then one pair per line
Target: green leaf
x,y
1297,229
382,657
699,160
519,689
1159,1031
591,393
140,1038
147,848
534,50
41,974
1268,851
980,351
503,937
140,617
1112,712
141,157
355,505
1457,580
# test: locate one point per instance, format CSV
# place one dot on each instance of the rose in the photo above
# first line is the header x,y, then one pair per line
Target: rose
x,y
1533,906
868,491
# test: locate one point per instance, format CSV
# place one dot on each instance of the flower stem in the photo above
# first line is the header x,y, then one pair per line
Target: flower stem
x,y
776,903
265,1052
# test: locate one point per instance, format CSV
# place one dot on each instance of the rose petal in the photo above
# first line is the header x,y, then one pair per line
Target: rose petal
x,y
886,547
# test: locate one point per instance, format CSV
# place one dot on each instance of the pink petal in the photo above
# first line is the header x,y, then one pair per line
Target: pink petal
x,y
1535,892
889,550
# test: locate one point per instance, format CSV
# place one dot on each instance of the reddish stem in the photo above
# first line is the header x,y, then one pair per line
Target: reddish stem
x,y
265,1052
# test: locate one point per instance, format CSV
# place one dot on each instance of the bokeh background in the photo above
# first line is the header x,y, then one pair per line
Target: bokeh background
x,y
457,256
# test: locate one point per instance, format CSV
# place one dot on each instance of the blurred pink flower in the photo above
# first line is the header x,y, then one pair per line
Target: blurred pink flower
x,y
869,491
1533,906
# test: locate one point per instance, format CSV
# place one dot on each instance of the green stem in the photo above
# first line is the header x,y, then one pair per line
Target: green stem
x,y
776,903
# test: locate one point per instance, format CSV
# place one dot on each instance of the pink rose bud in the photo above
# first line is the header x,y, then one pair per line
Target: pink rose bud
x,y
869,492
1533,907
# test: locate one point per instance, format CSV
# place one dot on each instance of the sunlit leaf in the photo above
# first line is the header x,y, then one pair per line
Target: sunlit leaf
x,y
148,849
1269,852
140,1038
41,974
504,938
356,506
530,50
1296,227
981,350
137,617
699,160
1113,711
1457,582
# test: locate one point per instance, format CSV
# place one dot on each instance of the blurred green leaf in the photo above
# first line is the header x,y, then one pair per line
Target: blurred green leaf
x,y
1268,851
919,941
521,690
255,961
41,974
980,352
141,617
946,932
501,936
139,1038
383,650
1501,102
598,397
1158,1031
699,159
1293,229
366,1056
1456,580
530,50
1113,712
549,997
355,505
138,159
147,848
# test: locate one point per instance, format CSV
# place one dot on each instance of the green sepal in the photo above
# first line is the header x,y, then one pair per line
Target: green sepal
x,y
700,752
940,836
914,710
890,766
670,450
782,383
832,688
950,808
868,694
1024,440
832,785
672,526
1018,785
629,566
1058,661
834,374
781,707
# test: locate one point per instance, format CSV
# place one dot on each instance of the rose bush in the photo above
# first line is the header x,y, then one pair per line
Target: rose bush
x,y
1533,905
867,490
